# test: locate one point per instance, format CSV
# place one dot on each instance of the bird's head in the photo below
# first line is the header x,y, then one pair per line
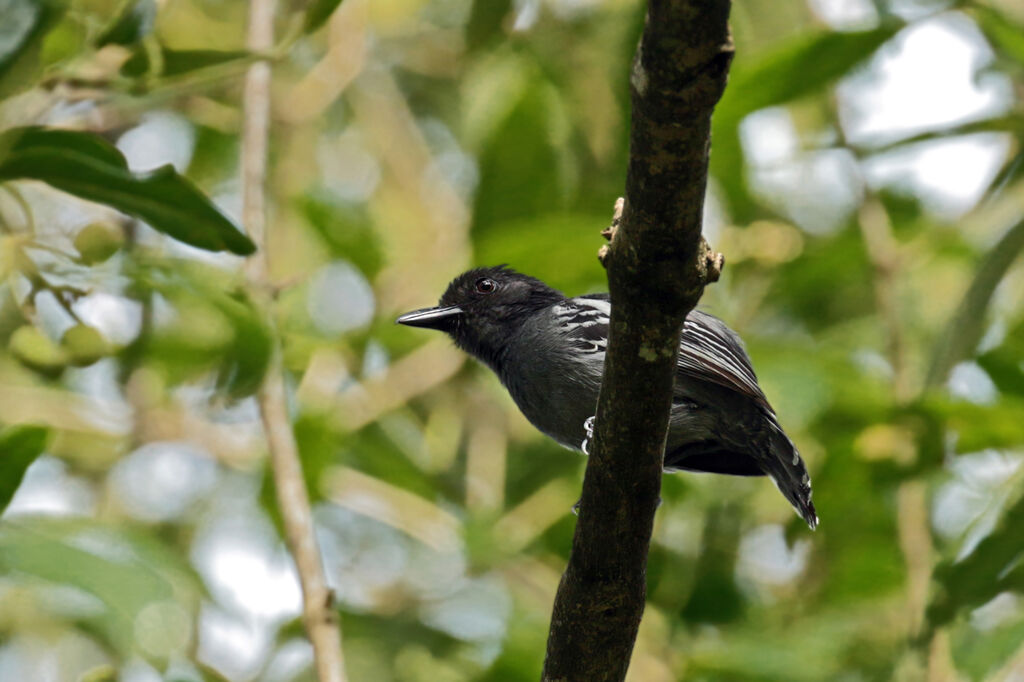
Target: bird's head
x,y
482,307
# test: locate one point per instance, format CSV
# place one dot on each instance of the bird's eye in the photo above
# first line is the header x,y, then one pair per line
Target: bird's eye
x,y
485,285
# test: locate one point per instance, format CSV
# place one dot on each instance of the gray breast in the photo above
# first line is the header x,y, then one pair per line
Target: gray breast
x,y
553,384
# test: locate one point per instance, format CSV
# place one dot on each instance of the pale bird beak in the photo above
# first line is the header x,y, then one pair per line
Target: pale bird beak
x,y
432,318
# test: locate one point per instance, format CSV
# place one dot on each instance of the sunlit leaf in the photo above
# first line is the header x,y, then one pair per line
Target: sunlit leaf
x,y
87,166
19,447
1006,35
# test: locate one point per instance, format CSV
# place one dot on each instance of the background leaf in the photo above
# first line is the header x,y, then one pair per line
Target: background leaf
x,y
318,13
25,24
19,447
86,166
133,23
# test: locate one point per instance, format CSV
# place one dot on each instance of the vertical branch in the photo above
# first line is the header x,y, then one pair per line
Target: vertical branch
x,y
658,265
292,500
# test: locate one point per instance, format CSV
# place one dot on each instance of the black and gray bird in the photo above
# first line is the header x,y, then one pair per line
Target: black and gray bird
x,y
549,351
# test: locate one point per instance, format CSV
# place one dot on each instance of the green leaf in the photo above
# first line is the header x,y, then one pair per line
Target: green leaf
x,y
19,447
216,329
799,68
346,230
1006,35
149,596
24,25
965,328
87,166
1006,370
133,23
993,567
318,14
523,174
248,356
980,653
548,247
485,20
177,62
715,597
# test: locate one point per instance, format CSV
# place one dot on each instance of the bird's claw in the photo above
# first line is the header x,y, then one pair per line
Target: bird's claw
x,y
588,426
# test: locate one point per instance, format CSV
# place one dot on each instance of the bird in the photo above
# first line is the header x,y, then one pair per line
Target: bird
x,y
548,351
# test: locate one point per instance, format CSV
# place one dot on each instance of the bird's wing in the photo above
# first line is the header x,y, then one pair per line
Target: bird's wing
x,y
708,350
711,351
584,322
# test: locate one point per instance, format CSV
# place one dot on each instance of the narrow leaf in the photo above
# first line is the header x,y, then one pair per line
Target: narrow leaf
x,y
1006,35
799,68
177,62
318,13
87,166
19,447
133,23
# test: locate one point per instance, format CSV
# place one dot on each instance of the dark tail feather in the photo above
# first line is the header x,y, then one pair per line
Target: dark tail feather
x,y
787,469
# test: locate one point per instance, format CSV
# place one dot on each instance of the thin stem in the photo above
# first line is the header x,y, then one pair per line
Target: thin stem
x,y
292,499
26,208
883,253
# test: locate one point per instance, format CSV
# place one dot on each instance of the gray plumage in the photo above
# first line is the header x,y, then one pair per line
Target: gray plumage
x,y
548,351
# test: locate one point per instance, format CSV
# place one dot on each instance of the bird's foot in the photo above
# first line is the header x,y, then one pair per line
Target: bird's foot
x,y
588,426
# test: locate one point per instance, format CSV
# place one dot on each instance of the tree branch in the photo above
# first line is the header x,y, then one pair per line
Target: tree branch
x,y
292,499
658,265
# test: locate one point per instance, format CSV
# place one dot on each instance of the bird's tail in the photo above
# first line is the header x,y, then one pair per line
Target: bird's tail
x,y
787,469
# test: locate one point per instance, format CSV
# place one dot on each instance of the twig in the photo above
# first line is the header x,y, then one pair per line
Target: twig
x,y
658,265
914,534
292,499
882,249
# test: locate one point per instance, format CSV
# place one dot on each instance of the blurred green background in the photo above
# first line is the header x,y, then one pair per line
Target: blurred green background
x,y
867,191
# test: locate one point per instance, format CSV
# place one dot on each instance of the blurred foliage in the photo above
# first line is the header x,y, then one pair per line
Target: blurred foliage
x,y
873,272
